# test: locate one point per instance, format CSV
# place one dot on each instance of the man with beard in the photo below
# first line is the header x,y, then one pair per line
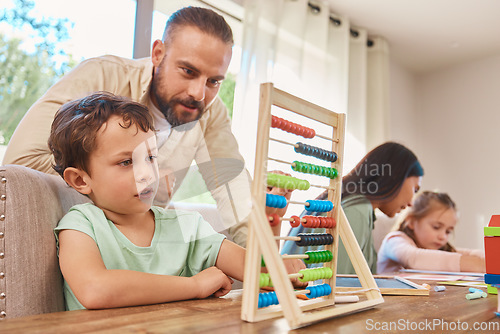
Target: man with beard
x,y
179,84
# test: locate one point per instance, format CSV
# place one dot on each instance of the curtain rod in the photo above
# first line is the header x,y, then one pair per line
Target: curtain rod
x,y
354,33
313,7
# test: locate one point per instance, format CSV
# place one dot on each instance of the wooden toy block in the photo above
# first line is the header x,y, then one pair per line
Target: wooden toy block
x,y
262,243
492,245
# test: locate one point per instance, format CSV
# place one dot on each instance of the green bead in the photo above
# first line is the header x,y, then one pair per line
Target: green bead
x,y
335,173
318,256
311,258
263,280
328,272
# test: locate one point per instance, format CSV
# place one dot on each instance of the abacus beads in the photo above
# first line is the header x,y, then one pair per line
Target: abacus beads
x,y
286,182
315,152
320,290
312,274
321,222
295,221
314,239
290,127
307,168
265,280
304,275
315,291
320,256
319,206
274,219
267,298
307,221
277,201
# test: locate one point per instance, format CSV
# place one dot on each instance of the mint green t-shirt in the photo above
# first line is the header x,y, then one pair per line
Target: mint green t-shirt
x,y
183,243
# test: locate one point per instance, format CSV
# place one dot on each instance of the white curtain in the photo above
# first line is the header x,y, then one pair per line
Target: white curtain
x,y
306,50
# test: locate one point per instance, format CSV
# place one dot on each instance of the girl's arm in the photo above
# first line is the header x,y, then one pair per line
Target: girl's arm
x,y
402,249
97,287
472,263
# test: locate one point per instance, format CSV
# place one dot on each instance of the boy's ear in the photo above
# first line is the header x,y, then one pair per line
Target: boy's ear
x,y
77,179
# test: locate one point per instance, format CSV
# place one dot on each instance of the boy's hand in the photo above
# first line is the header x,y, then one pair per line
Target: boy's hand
x,y
292,267
281,192
212,281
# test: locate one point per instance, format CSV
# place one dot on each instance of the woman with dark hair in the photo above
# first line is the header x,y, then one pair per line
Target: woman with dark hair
x,y
386,179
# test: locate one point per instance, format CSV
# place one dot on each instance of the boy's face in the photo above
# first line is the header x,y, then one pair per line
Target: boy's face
x,y
123,168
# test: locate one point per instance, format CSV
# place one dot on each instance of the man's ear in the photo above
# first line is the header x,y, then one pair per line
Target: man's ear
x,y
157,52
77,179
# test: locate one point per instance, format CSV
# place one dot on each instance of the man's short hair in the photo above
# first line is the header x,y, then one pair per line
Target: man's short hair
x,y
204,19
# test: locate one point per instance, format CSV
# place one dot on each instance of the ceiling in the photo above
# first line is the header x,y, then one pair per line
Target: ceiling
x,y
426,35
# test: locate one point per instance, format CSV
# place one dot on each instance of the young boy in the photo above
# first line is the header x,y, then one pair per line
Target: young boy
x,y
120,250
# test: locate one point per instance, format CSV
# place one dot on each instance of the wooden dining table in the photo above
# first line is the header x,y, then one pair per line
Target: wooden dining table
x,y
440,312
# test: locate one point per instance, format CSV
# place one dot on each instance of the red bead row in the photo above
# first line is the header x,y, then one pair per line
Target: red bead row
x,y
316,221
294,128
307,221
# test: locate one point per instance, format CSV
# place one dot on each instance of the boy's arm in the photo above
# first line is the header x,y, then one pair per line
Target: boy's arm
x,y
97,287
231,261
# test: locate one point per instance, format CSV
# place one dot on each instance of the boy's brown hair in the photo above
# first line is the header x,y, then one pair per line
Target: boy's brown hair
x,y
75,126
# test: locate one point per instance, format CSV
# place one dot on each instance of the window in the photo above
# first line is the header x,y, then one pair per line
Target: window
x,y
42,40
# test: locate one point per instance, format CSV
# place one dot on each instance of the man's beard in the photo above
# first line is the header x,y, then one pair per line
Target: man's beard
x,y
167,109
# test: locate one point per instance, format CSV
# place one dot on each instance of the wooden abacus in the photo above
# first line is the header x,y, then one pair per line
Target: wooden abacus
x,y
261,242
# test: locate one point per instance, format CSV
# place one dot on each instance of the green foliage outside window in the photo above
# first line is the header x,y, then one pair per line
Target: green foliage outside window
x,y
26,75
226,92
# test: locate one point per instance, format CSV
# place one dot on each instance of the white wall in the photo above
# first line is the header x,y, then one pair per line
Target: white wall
x,y
403,106
451,119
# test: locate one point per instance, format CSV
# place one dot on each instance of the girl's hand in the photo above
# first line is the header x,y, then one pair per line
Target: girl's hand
x,y
212,281
472,263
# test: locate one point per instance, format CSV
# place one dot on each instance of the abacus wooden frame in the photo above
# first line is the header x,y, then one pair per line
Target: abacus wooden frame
x,y
261,241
